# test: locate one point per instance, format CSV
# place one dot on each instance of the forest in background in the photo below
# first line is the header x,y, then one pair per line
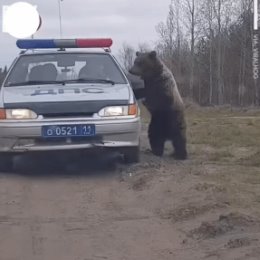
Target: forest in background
x,y
208,45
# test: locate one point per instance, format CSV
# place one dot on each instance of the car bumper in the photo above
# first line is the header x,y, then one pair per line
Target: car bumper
x,y
18,137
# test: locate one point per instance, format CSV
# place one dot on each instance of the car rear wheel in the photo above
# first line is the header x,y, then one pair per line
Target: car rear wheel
x,y
6,162
132,155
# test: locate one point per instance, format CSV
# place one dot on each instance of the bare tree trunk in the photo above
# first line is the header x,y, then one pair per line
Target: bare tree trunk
x,y
223,73
219,74
210,72
192,47
242,67
209,17
127,55
241,89
178,37
171,28
242,79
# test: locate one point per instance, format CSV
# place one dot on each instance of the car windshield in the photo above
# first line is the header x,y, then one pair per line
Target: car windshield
x,y
64,68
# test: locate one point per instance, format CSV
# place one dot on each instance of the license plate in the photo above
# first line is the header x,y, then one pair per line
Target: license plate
x,y
68,130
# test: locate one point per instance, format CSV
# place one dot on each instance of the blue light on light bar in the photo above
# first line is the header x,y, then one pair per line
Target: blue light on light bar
x,y
63,43
35,44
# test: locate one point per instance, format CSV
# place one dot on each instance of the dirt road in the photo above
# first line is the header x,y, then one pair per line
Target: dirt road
x,y
158,209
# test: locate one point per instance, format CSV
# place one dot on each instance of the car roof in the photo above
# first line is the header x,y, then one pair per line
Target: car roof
x,y
58,51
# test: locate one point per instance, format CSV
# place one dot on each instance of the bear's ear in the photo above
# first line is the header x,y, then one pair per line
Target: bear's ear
x,y
137,53
153,54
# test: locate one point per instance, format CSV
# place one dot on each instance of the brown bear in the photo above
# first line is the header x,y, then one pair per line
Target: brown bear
x,y
163,101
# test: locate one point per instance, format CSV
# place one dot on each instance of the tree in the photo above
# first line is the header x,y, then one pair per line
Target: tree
x,y
191,8
167,34
143,47
208,46
126,56
208,32
172,45
245,18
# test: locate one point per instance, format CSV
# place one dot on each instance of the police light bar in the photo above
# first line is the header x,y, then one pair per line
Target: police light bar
x,y
63,43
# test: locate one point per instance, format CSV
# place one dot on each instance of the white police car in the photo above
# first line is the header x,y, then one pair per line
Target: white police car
x,y
67,96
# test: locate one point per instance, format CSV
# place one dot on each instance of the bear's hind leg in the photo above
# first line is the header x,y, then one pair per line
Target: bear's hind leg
x,y
179,144
156,138
157,146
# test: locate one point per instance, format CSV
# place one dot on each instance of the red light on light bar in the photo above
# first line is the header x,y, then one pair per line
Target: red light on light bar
x,y
94,43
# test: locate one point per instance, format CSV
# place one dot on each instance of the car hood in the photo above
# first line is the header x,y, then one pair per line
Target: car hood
x,y
63,93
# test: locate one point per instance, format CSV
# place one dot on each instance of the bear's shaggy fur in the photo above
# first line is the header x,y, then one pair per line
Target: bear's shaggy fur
x,y
164,102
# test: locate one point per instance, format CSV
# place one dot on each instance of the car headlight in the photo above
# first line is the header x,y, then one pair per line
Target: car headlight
x,y
131,110
16,114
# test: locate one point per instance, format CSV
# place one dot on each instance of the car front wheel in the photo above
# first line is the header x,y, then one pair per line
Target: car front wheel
x,y
6,162
132,154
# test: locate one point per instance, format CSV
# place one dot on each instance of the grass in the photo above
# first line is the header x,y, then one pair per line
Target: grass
x,y
220,133
223,131
228,144
223,128
224,147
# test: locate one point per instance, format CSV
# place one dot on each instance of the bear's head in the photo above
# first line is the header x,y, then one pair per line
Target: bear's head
x,y
146,65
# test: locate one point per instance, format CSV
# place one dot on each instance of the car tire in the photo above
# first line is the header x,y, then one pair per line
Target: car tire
x,y
6,162
132,155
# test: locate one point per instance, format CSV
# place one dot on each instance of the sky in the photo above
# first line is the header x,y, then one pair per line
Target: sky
x,y
129,21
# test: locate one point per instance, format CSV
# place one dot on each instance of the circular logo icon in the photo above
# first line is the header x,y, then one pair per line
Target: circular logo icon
x,y
21,20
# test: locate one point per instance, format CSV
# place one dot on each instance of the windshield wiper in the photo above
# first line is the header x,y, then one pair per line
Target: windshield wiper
x,y
35,82
63,82
107,81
